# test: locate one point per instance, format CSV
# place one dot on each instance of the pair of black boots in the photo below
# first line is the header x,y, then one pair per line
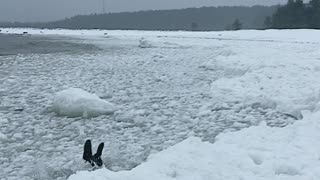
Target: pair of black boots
x,y
94,160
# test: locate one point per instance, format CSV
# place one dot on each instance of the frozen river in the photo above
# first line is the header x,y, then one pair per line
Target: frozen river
x,y
164,94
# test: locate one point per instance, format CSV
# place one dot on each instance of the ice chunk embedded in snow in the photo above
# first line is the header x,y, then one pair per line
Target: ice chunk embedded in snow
x,y
75,102
144,43
3,137
3,120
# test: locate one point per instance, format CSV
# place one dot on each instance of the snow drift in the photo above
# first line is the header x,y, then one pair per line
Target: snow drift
x,y
75,102
255,153
288,79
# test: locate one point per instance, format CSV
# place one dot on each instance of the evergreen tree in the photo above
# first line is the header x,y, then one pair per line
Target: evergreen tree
x,y
314,17
290,16
299,15
237,25
268,22
296,14
194,26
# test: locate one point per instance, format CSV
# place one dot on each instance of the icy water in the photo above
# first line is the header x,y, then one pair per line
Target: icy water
x,y
26,44
162,94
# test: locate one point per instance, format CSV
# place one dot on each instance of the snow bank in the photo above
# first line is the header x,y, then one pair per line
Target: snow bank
x,y
290,93
256,153
283,74
74,102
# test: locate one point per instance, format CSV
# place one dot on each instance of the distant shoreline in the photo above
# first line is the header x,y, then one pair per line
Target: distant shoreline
x,y
188,19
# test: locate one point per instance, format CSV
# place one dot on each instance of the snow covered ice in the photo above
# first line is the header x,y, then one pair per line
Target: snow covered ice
x,y
258,91
75,102
144,43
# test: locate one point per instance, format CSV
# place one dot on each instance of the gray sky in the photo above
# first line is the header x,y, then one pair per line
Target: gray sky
x,y
46,10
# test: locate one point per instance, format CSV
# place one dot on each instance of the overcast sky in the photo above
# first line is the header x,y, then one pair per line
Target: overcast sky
x,y
47,10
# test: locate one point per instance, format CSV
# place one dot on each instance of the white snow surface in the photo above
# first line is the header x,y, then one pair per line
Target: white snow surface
x,y
75,102
255,153
187,86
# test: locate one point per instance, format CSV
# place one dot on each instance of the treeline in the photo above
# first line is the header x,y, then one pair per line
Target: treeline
x,y
296,14
205,18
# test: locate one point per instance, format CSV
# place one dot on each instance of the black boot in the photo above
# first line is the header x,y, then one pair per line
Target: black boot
x,y
87,152
96,158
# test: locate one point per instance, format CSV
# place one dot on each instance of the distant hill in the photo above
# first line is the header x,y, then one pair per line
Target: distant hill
x,y
205,18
